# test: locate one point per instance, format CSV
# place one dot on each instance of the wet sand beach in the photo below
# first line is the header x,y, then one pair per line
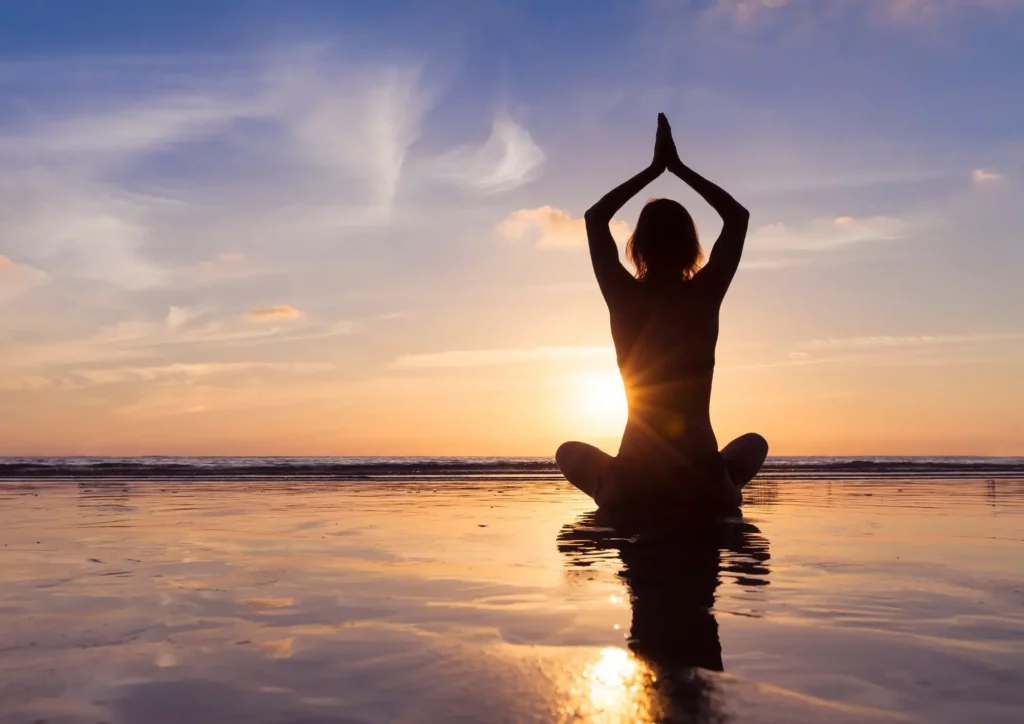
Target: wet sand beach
x,y
502,599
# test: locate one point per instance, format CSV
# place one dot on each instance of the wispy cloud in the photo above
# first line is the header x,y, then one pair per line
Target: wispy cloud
x,y
177,316
792,362
16,279
911,11
197,337
494,357
922,340
550,228
822,234
69,206
129,127
72,226
923,350
982,175
272,314
896,11
362,123
167,374
744,10
191,371
508,159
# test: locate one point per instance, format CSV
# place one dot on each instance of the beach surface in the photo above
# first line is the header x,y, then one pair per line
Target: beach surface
x,y
482,591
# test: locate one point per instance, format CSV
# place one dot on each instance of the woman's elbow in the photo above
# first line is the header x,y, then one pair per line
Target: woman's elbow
x,y
738,216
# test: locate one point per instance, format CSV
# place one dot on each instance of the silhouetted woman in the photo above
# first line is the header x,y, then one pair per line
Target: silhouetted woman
x,y
665,325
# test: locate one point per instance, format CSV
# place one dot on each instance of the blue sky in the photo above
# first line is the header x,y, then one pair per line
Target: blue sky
x,y
354,227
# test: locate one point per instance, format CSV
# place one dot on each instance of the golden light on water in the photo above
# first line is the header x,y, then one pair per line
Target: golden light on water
x,y
615,688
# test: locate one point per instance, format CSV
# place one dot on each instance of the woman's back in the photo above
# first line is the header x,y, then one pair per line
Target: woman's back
x,y
665,336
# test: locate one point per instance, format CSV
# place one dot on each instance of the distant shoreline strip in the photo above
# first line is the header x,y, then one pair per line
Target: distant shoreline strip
x,y
408,469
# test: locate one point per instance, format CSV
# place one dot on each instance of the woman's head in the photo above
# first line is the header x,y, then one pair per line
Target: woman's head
x,y
664,245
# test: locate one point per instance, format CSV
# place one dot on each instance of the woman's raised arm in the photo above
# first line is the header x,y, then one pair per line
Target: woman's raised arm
x,y
604,254
725,256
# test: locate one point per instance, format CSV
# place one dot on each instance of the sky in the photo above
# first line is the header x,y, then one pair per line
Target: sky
x,y
356,228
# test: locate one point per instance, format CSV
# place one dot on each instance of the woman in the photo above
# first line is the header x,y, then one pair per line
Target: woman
x,y
665,325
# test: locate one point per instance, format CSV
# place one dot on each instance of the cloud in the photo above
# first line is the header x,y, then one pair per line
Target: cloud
x,y
358,119
889,350
495,357
16,279
508,159
127,128
191,371
826,233
361,123
269,314
780,262
323,148
177,316
132,340
155,340
792,362
229,266
981,175
903,12
744,10
923,340
76,227
161,374
550,228
909,11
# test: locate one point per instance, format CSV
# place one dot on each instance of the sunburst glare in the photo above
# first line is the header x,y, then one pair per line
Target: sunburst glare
x,y
600,398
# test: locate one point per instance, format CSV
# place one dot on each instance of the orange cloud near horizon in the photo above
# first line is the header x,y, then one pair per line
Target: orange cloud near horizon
x,y
278,311
551,228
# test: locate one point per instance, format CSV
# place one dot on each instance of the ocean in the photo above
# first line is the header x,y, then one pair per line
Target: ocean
x,y
498,468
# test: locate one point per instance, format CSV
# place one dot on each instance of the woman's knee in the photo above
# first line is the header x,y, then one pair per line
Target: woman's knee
x,y
566,454
747,446
744,457
757,444
577,459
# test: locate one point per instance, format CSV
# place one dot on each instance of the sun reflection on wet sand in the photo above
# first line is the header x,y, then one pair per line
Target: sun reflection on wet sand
x,y
616,687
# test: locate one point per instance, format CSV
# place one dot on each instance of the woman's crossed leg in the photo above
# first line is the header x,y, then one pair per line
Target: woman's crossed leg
x,y
594,471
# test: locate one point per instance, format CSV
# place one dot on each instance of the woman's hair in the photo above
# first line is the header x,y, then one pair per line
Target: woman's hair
x,y
665,243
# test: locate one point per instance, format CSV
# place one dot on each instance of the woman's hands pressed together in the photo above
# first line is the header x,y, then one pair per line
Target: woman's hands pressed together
x,y
665,155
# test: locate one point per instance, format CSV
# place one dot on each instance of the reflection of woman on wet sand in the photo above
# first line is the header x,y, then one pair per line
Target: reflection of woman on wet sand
x,y
672,573
665,326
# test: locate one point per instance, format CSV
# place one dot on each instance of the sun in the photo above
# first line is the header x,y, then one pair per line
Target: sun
x,y
602,399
